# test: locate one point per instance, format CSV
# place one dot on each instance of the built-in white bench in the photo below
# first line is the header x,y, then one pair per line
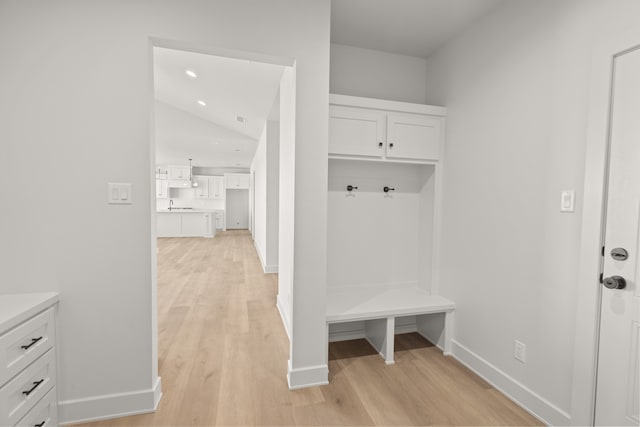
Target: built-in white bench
x,y
379,308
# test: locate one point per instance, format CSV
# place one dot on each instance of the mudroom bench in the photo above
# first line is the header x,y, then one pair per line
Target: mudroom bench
x,y
379,308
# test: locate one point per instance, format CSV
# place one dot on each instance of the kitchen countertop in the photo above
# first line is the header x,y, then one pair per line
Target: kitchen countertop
x,y
194,210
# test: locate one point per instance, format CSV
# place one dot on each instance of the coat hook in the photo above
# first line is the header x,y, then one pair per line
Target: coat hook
x,y
351,188
387,189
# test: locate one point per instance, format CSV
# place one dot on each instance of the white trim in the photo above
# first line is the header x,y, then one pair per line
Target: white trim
x,y
310,376
530,401
267,269
110,405
270,269
283,315
589,289
383,104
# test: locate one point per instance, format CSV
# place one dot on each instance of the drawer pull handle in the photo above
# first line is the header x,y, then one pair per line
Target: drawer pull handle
x,y
39,424
35,386
33,341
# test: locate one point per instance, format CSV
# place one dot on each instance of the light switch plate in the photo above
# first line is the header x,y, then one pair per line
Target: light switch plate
x,y
119,193
567,201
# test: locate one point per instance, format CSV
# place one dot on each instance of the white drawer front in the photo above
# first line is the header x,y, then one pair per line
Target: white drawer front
x,y
25,343
44,414
20,394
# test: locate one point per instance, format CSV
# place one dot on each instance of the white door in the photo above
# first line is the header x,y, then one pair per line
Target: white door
x,y
618,384
237,209
415,137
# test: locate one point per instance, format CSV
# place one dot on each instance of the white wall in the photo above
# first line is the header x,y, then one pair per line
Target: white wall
x,y
259,169
273,196
516,86
286,205
265,166
76,107
374,74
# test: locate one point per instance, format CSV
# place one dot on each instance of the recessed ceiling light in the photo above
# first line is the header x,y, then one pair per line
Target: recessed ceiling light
x,y
201,102
241,119
191,74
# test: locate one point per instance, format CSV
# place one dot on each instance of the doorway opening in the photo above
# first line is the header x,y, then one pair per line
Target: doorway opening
x,y
215,150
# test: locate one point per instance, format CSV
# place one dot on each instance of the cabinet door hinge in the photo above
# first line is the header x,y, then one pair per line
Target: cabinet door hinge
x,y
603,251
601,278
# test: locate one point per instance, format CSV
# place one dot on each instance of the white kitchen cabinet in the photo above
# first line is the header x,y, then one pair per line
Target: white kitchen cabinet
x,y
162,189
185,224
219,220
179,172
209,224
202,191
209,187
169,225
179,183
237,181
28,359
384,130
216,188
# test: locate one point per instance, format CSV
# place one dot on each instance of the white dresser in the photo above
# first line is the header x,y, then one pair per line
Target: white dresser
x,y
28,360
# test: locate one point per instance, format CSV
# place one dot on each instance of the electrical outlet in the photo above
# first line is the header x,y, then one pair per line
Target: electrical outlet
x,y
520,351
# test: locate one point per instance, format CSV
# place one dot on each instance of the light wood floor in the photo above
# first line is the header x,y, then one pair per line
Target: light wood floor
x,y
223,357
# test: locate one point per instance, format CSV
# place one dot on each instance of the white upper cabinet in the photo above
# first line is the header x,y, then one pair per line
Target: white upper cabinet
x,y
179,172
355,131
237,181
411,136
216,188
384,130
162,189
203,188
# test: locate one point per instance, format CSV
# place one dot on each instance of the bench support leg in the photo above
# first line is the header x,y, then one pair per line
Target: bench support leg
x,y
448,331
380,334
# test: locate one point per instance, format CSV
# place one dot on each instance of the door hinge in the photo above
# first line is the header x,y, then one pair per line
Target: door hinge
x,y
601,278
603,251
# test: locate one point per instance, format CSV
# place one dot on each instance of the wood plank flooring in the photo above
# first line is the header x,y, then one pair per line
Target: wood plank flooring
x,y
223,357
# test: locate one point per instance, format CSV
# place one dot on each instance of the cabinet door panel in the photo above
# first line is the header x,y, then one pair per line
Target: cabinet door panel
x,y
194,225
413,137
357,132
179,172
202,190
217,187
168,225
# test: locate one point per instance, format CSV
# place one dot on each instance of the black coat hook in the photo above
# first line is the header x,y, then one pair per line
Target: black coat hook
x,y
387,189
351,188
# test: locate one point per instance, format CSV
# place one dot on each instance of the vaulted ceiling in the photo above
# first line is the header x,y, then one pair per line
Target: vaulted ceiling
x,y
235,88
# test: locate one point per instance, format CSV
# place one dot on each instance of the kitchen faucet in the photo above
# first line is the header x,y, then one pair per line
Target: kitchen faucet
x,y
170,203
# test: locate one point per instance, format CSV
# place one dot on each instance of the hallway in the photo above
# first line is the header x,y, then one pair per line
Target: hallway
x,y
223,357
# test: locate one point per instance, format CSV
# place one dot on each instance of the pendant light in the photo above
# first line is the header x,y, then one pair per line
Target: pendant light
x,y
193,182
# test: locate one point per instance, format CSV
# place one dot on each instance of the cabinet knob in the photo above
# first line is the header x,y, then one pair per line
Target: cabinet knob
x,y
380,144
391,145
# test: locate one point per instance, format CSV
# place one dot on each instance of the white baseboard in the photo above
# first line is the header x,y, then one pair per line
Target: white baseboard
x,y
307,377
283,315
533,403
269,269
110,405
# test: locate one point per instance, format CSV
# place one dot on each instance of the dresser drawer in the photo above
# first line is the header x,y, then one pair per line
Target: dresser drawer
x,y
44,414
19,395
25,343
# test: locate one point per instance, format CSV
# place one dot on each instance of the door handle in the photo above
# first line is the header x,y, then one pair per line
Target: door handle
x,y
614,282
